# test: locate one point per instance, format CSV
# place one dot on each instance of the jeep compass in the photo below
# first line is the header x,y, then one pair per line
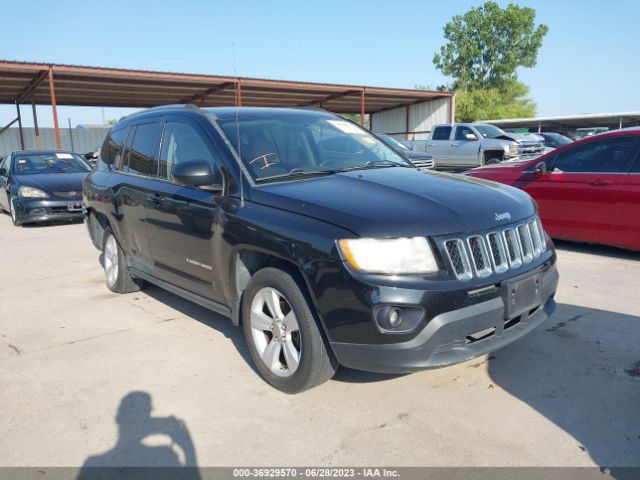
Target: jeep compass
x,y
328,247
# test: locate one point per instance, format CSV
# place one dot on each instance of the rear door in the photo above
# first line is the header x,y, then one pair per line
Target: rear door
x,y
181,220
130,192
626,227
577,197
438,145
464,152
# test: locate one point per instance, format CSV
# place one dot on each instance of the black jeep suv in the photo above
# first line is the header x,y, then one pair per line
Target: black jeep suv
x,y
327,246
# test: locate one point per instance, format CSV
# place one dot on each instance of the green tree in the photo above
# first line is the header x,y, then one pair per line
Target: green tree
x,y
484,49
487,44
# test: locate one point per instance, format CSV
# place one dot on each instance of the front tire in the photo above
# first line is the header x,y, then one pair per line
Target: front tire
x,y
282,334
492,159
116,271
14,213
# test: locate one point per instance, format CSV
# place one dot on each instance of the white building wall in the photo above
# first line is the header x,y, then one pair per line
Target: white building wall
x,y
422,116
84,139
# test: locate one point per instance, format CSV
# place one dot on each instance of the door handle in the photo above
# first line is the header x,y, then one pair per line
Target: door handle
x,y
600,182
455,144
155,198
430,144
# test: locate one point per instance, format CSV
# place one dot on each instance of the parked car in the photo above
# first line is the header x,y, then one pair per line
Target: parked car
x,y
553,140
421,161
326,245
587,191
468,145
42,185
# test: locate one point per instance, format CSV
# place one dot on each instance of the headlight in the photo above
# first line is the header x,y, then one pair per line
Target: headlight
x,y
513,149
392,256
30,192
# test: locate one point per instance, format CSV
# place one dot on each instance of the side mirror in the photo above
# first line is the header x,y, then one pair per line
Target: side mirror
x,y
195,173
540,169
470,136
3,172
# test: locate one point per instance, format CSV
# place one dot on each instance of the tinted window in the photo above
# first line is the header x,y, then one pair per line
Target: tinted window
x,y
112,149
143,149
462,131
609,155
182,142
441,133
4,162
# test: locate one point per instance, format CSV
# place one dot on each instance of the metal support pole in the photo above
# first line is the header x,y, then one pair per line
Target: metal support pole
x,y
35,124
362,107
52,94
238,93
452,108
620,124
408,107
539,126
20,127
71,135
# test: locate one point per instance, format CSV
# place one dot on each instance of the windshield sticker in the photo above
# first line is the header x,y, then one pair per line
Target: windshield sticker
x,y
64,155
345,126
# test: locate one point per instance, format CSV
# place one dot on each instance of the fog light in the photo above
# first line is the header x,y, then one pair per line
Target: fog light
x,y
394,319
37,211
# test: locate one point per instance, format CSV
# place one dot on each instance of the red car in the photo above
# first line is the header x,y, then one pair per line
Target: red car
x,y
587,191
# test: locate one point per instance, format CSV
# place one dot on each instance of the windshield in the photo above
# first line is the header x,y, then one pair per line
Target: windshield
x,y
54,162
559,139
489,131
286,145
393,142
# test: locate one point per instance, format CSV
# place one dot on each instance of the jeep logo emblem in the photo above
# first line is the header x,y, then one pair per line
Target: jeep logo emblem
x,y
503,216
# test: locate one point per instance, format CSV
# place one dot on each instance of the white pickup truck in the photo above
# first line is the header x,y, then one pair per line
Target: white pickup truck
x,y
469,145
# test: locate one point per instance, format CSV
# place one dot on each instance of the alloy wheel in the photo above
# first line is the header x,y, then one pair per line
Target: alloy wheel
x,y
275,332
111,260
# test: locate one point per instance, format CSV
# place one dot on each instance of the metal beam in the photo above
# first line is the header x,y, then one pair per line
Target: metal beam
x,y
328,98
201,96
35,124
20,127
52,94
8,125
362,108
238,93
31,87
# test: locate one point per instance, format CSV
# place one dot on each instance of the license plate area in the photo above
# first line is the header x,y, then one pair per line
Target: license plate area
x,y
521,295
74,206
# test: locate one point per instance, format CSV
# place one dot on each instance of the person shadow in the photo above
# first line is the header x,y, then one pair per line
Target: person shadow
x,y
147,446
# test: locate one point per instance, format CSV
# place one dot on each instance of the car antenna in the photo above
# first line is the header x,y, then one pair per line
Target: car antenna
x,y
238,147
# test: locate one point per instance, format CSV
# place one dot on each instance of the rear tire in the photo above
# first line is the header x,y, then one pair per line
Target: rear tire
x,y
286,345
114,261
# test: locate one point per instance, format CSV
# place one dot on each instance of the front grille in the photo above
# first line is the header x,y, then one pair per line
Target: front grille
x,y
423,163
496,251
71,194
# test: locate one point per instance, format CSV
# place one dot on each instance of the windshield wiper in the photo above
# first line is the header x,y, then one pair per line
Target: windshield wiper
x,y
372,164
296,173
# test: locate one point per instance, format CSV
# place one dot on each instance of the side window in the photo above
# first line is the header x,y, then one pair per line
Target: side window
x,y
461,132
441,133
182,142
609,155
144,148
111,152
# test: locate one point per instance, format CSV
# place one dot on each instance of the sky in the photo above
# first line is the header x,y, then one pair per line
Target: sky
x,y
588,63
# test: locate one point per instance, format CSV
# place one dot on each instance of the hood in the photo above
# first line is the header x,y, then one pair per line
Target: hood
x,y
411,155
397,201
520,138
53,182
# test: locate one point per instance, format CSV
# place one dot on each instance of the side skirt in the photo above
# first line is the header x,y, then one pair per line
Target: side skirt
x,y
203,302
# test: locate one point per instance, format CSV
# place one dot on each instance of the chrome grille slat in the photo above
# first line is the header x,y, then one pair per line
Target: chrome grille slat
x,y
496,251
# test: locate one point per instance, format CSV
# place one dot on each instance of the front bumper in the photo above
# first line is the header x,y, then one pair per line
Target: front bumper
x,y
447,338
34,210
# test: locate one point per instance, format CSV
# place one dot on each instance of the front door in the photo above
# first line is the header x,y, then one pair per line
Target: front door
x,y
438,146
181,220
465,152
4,183
577,197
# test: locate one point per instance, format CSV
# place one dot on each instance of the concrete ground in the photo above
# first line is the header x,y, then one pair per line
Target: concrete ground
x,y
79,366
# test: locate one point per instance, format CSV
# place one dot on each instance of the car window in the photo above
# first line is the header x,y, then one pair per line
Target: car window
x,y
144,147
5,161
30,163
607,155
181,142
441,133
462,131
112,149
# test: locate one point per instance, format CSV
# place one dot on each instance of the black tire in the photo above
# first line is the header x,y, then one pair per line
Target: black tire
x,y
492,159
316,361
120,280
